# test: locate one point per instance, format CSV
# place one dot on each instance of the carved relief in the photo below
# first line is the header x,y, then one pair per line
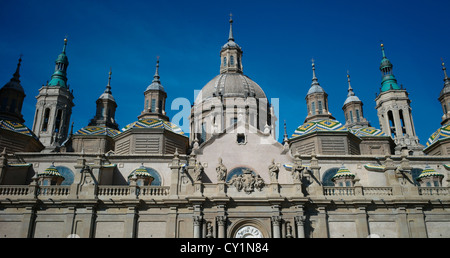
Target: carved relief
x,y
247,181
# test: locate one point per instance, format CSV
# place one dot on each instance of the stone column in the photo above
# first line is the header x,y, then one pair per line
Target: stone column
x,y
276,222
174,179
197,226
300,222
221,223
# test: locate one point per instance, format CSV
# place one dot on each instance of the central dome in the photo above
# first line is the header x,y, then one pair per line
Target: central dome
x,y
230,85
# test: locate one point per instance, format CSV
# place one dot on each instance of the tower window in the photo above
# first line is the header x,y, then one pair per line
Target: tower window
x,y
231,60
46,116
445,109
160,106
320,107
153,105
58,120
313,108
225,61
357,116
146,105
351,116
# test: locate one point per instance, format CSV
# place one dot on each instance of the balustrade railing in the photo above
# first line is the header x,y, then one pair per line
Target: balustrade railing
x,y
126,191
54,190
434,190
14,190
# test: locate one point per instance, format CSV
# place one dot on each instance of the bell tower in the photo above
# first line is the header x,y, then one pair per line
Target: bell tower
x,y
54,106
394,112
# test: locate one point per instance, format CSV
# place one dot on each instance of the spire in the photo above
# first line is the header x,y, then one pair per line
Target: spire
x,y
350,89
382,50
65,44
156,83
156,76
315,86
16,75
230,37
285,136
446,79
388,79
108,87
59,76
315,81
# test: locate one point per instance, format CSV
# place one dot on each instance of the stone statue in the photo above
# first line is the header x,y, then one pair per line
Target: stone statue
x,y
273,170
297,173
209,230
198,170
221,171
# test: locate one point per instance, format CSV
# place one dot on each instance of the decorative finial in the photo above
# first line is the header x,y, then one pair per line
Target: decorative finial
x,y
285,136
108,87
382,49
348,79
156,76
17,74
313,68
65,44
230,37
444,69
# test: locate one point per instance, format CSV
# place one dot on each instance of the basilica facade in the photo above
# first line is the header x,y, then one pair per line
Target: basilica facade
x,y
228,177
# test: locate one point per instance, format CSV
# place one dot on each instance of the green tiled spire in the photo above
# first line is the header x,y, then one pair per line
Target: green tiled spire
x,y
59,77
388,80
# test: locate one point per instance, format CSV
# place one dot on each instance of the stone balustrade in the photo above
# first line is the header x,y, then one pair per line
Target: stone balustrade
x,y
144,192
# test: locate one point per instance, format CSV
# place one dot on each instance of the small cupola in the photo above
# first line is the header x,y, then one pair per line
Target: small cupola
x,y
343,177
430,178
50,176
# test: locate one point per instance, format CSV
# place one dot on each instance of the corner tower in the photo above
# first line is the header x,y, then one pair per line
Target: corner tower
x,y
54,106
394,111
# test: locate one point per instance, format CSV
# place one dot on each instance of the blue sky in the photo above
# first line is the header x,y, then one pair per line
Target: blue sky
x,y
279,39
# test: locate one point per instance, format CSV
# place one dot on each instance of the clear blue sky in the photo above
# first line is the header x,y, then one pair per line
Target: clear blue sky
x,y
278,38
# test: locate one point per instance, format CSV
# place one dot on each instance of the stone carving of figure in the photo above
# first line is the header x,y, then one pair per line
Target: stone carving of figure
x,y
209,230
198,170
259,183
273,170
221,171
297,173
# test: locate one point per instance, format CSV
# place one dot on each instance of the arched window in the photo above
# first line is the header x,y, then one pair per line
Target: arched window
x,y
224,61
237,172
313,108
46,117
326,178
231,60
67,174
